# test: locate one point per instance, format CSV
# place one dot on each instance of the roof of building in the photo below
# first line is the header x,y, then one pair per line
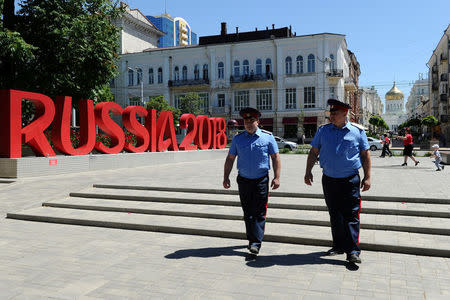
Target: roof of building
x,y
394,94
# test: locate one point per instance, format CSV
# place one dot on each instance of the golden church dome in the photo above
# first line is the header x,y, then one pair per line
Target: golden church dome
x,y
394,94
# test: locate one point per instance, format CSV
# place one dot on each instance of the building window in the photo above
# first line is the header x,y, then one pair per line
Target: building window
x,y
184,73
236,68
139,76
130,77
332,62
204,101
311,63
135,101
196,72
246,68
309,96
176,74
241,100
288,63
299,64
205,71
221,100
258,67
264,99
150,76
268,66
220,70
291,99
160,75
332,92
177,100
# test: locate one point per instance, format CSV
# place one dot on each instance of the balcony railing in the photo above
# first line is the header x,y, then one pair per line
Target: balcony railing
x,y
443,97
220,110
251,77
444,77
335,73
173,83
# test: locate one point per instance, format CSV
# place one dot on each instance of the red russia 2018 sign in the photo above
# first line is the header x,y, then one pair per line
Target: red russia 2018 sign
x,y
158,134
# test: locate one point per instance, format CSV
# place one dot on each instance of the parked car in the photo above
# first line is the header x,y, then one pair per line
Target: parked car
x,y
285,144
375,144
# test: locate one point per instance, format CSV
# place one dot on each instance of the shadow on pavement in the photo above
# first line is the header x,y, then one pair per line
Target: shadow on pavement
x,y
262,261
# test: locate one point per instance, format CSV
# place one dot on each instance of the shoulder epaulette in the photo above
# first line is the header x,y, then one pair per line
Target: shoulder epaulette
x,y
265,131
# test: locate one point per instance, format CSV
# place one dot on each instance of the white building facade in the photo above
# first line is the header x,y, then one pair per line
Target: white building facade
x,y
288,79
370,104
417,97
395,113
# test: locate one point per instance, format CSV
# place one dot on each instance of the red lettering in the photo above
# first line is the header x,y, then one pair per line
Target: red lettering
x,y
132,125
213,130
110,127
61,126
189,122
150,124
165,128
221,136
203,133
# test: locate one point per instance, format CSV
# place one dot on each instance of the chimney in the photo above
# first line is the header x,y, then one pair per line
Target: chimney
x,y
237,30
223,30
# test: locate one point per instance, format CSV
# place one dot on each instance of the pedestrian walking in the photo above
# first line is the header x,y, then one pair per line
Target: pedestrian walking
x,y
408,147
437,157
253,147
386,143
343,150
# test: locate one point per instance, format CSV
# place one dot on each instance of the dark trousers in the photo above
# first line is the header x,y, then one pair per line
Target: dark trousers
x,y
386,151
254,194
343,200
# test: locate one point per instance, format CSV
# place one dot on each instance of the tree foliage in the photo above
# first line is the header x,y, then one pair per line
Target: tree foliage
x,y
191,104
429,121
160,104
62,47
378,122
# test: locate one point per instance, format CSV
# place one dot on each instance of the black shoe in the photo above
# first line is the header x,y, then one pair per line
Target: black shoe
x,y
334,251
253,249
404,164
417,162
442,167
354,258
438,169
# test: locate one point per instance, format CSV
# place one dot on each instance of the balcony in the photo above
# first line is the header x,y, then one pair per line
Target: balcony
x,y
251,78
189,82
444,57
434,69
220,110
335,74
434,86
350,84
443,98
444,77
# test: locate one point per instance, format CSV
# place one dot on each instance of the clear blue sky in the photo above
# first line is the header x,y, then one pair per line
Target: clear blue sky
x,y
391,39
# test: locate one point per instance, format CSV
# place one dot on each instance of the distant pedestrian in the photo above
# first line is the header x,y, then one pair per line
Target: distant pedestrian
x,y
408,147
254,148
343,150
437,157
386,142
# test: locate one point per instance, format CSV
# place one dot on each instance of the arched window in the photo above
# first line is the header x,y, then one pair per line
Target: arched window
x,y
196,72
160,75
299,64
150,76
220,70
176,74
245,67
184,73
236,68
332,62
139,76
288,63
130,77
268,66
311,63
205,71
258,67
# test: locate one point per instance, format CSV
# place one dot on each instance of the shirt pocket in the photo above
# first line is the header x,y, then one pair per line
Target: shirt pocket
x,y
261,151
349,148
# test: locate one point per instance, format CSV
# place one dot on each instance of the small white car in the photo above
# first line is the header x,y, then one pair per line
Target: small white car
x,y
375,144
283,144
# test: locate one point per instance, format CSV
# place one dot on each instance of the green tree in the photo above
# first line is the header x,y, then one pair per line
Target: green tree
x,y
73,46
191,104
160,104
429,121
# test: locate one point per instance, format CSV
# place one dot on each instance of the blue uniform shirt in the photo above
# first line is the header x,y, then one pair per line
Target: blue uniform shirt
x,y
253,153
340,149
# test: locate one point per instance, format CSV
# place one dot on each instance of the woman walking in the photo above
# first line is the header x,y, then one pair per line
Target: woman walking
x,y
408,147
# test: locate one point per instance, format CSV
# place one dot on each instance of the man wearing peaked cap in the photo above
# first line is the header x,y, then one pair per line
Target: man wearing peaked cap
x,y
343,149
254,149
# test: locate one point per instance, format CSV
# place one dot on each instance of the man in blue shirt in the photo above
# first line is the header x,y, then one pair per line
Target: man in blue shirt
x,y
343,149
253,148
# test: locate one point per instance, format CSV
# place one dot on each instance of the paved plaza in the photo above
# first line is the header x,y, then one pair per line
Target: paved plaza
x,y
43,260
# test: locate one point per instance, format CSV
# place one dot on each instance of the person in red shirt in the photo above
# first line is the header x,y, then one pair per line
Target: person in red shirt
x,y
408,147
386,143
